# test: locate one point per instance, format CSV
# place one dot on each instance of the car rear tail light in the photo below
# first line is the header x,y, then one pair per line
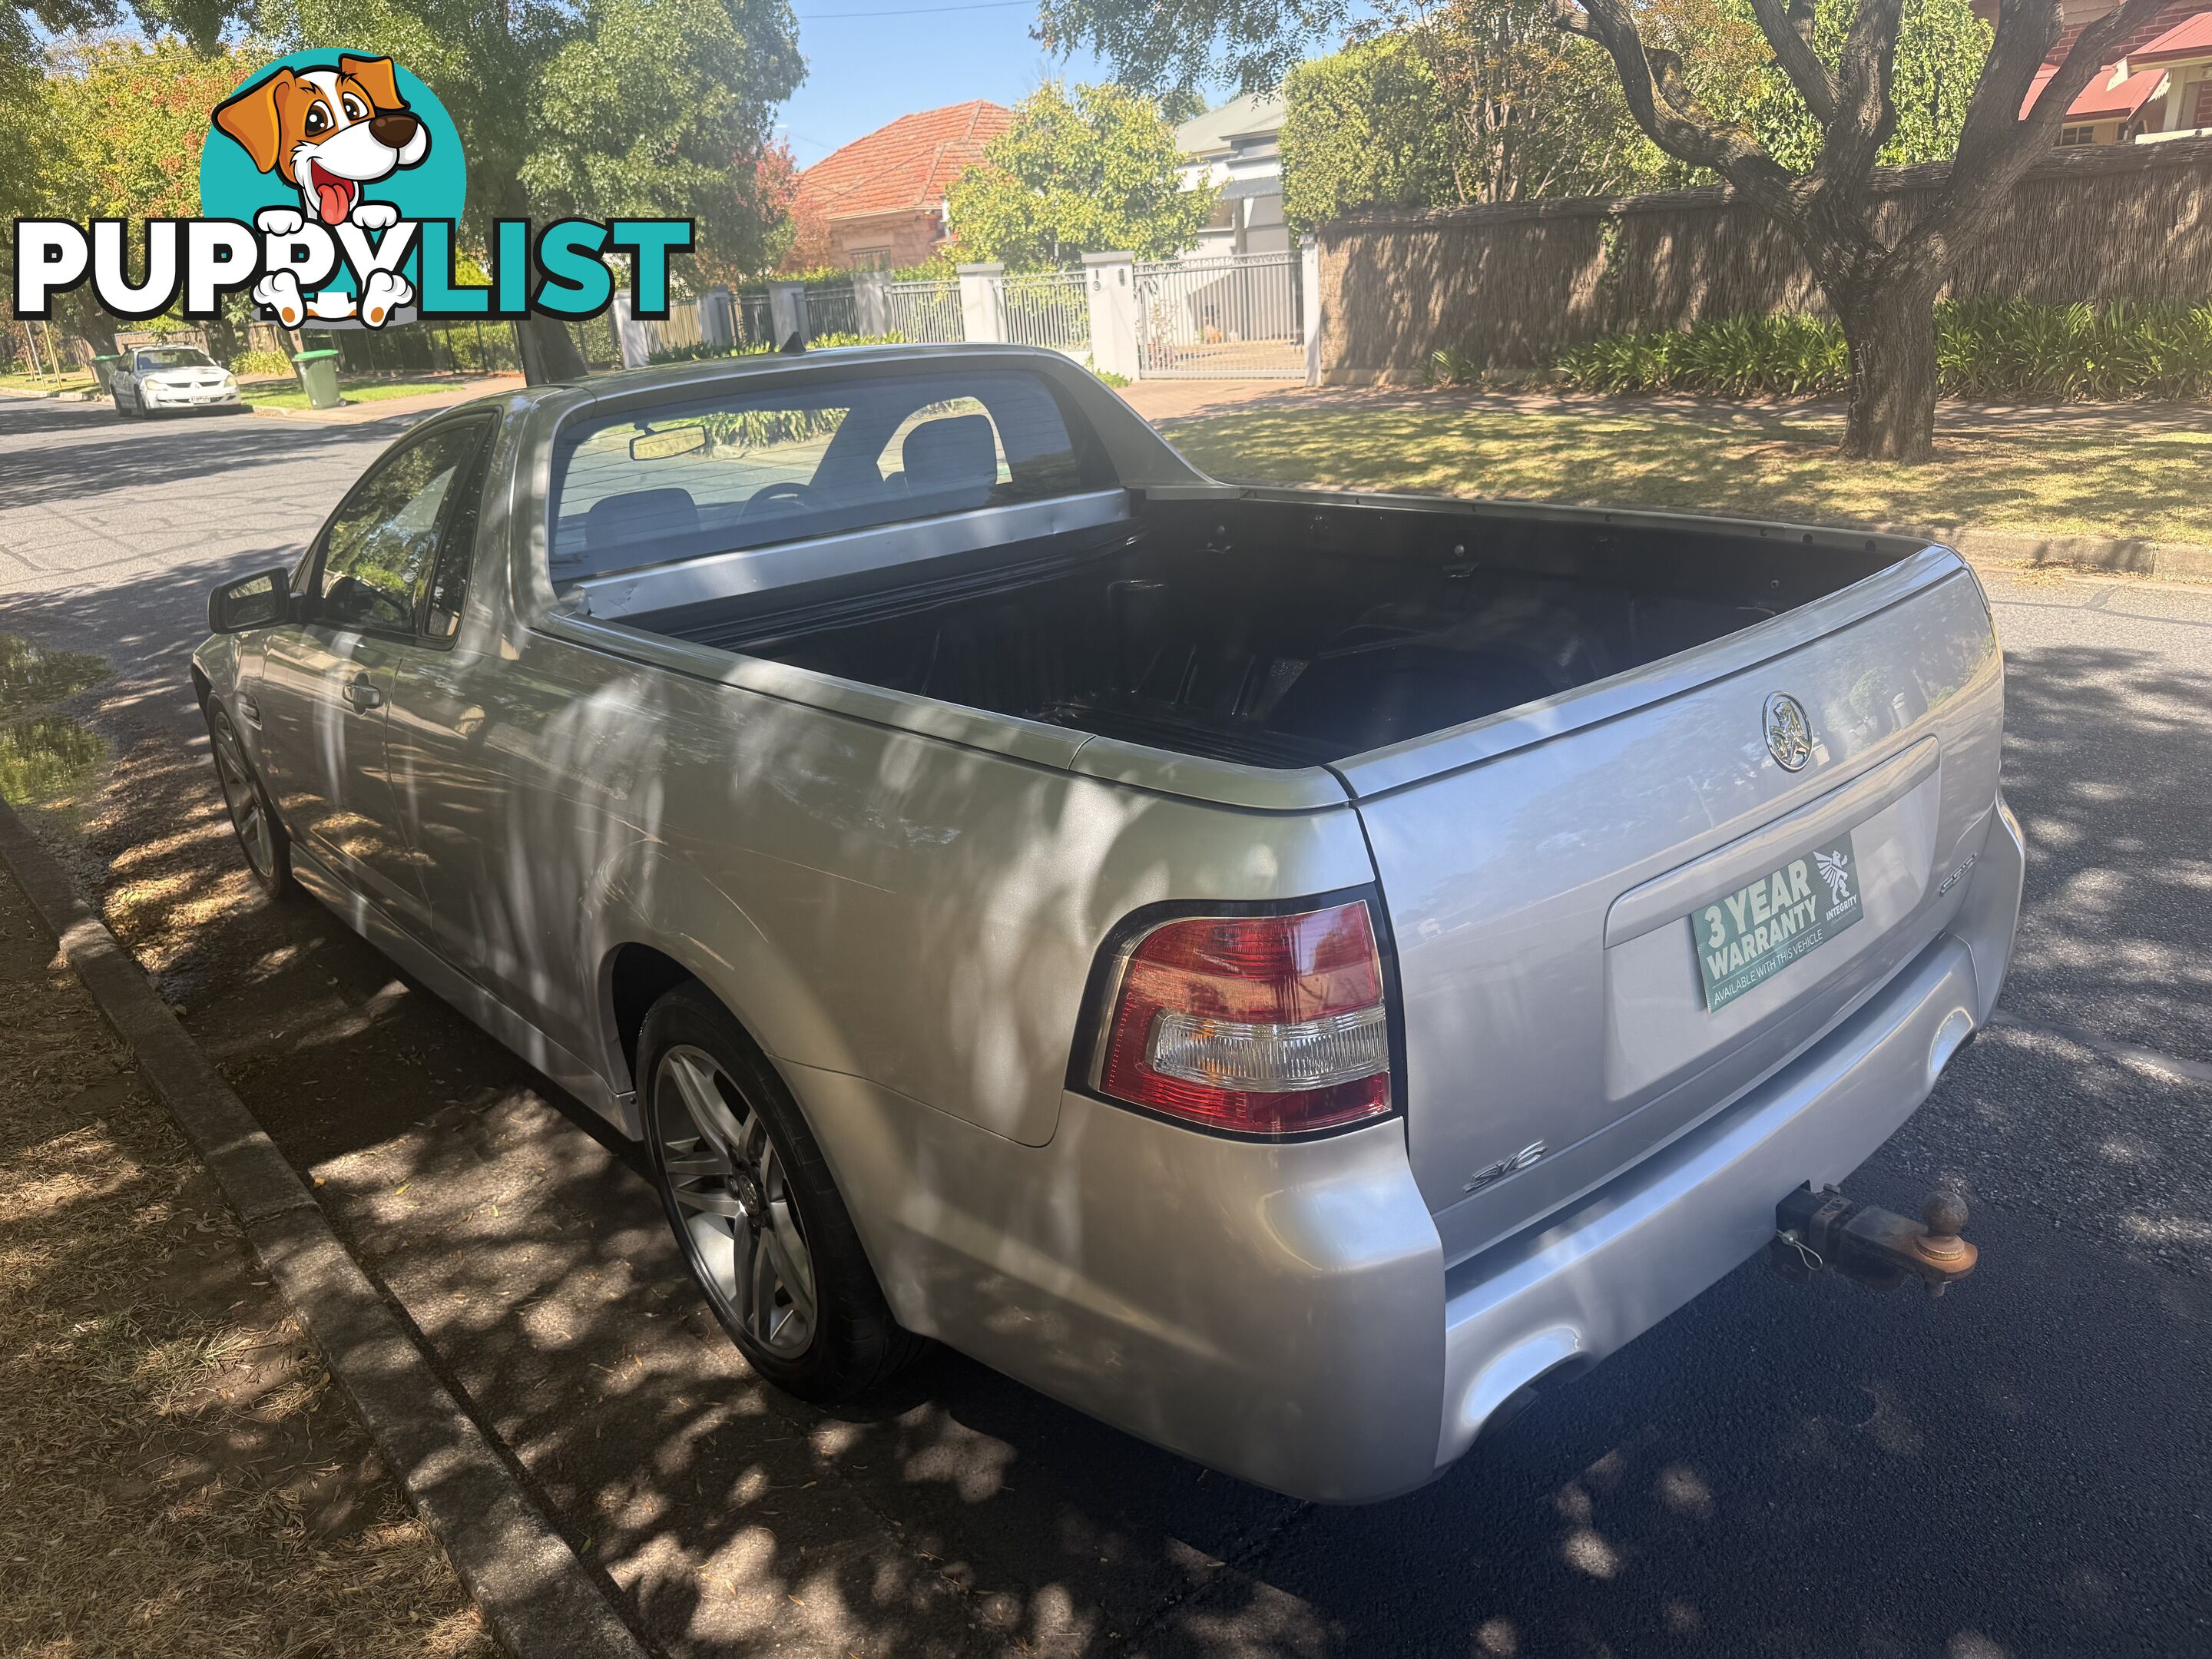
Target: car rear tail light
x,y
1264,1024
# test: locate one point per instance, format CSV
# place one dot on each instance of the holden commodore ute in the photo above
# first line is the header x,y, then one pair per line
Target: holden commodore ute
x,y
1287,972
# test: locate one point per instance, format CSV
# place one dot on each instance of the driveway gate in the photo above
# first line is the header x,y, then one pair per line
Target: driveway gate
x,y
1238,317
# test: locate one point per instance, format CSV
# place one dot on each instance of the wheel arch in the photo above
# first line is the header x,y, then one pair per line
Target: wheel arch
x,y
716,946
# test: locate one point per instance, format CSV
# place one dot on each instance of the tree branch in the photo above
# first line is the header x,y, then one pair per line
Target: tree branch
x,y
1660,99
1997,145
1865,114
1790,32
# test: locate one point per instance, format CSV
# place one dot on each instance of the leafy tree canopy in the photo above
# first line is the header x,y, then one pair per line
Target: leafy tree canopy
x,y
1940,48
1171,47
125,120
1366,127
1084,173
602,107
1484,101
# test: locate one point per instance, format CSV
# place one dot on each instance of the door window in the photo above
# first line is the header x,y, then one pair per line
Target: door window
x,y
386,534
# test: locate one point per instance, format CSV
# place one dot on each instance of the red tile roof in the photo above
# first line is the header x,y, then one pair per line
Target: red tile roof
x,y
2100,101
2190,38
907,165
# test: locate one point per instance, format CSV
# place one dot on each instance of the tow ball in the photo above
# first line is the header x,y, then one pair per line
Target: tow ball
x,y
1815,1231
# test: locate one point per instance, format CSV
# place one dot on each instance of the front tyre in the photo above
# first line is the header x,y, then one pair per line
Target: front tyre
x,y
268,850
754,1211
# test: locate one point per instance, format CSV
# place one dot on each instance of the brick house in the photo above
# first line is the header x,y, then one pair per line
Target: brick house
x,y
879,203
2159,88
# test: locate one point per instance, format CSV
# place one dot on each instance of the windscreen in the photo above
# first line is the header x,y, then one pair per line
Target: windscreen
x,y
175,358
749,464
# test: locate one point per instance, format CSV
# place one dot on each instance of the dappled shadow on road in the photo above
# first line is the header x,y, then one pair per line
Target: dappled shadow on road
x,y
2109,763
1800,1471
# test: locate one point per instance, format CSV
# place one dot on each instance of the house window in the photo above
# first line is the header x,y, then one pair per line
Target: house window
x,y
2070,136
870,259
2200,113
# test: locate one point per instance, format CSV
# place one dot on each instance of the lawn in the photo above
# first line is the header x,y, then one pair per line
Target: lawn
x,y
2065,476
287,394
77,380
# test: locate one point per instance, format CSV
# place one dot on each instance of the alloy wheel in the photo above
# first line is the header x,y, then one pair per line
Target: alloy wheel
x,y
727,1176
248,815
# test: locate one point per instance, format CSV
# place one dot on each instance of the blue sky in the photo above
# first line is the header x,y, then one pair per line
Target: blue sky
x,y
862,71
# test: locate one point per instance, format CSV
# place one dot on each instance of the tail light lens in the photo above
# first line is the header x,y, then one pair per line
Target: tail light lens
x,y
1262,1025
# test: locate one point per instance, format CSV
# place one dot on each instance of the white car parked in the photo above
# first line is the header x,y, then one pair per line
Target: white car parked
x,y
153,378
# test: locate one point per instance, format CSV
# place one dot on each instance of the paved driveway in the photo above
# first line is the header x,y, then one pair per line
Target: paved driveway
x,y
2020,1468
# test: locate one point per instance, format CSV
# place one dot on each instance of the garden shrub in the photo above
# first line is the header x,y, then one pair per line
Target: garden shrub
x,y
262,360
1992,350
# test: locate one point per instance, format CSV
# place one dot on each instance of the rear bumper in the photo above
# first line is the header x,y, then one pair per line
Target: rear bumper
x,y
1282,1312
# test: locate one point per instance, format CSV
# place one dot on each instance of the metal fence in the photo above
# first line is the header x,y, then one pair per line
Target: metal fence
x,y
831,309
1050,309
753,321
478,348
927,313
1237,317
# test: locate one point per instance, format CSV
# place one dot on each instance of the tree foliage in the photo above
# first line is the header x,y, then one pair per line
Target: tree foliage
x,y
125,120
1169,47
1475,101
1941,48
603,107
1085,173
1366,127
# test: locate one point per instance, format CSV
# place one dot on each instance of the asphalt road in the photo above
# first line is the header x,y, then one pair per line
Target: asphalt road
x,y
2022,1469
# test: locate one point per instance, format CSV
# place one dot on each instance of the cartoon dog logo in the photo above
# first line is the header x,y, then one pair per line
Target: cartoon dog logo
x,y
328,132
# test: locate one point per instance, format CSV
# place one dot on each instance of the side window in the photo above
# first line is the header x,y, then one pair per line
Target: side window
x,y
380,545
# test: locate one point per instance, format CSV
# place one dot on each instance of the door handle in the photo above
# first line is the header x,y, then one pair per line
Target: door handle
x,y
362,693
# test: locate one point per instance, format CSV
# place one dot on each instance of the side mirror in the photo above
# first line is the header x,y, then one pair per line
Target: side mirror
x,y
255,601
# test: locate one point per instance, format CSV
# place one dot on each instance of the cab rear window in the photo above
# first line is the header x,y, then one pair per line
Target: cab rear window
x,y
748,465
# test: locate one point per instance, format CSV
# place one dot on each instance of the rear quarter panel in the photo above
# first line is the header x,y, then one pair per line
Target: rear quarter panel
x,y
867,899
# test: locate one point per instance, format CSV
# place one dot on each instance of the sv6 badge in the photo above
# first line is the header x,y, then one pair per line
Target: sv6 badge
x,y
1505,1166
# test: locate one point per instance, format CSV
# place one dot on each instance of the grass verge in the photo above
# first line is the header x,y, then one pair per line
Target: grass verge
x,y
283,394
75,382
180,1477
2055,478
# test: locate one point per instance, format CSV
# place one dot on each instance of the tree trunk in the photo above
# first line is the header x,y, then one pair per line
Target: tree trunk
x,y
548,352
1890,327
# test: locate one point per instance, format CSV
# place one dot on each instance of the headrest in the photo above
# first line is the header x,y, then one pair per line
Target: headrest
x,y
641,515
955,452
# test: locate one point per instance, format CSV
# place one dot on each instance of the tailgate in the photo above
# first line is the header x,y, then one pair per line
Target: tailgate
x,y
1553,877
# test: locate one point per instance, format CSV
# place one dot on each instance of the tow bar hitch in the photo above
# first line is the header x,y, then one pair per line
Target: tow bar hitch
x,y
1814,1232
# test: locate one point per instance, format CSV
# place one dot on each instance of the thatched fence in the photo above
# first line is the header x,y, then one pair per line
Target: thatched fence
x,y
1513,286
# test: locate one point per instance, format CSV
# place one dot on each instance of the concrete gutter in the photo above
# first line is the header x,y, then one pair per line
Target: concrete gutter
x,y
2130,555
538,1598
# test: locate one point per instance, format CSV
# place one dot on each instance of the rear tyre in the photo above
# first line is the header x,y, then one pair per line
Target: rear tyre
x,y
268,850
754,1212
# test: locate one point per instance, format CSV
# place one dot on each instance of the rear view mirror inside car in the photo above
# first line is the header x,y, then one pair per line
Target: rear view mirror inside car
x,y
666,446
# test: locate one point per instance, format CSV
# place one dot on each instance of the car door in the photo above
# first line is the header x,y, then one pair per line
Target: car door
x,y
324,693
